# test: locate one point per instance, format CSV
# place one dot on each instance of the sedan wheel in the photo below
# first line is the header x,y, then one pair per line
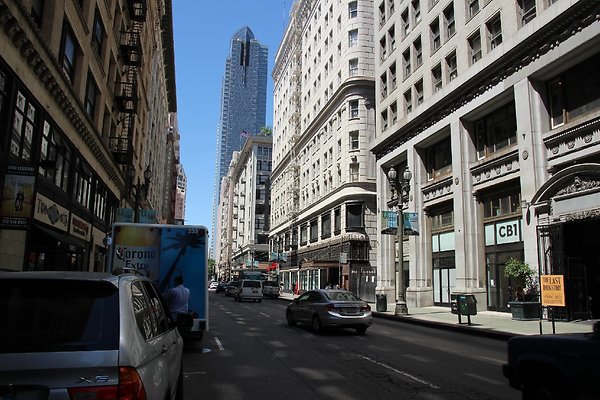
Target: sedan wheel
x,y
316,325
290,319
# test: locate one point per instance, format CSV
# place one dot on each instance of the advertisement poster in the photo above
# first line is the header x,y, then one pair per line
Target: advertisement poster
x,y
411,224
17,196
137,248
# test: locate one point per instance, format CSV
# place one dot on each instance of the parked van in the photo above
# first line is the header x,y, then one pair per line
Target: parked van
x,y
249,290
271,289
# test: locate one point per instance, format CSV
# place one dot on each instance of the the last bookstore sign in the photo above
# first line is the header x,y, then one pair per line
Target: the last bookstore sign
x,y
553,290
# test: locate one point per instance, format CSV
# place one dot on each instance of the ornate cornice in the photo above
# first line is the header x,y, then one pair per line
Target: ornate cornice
x,y
437,190
496,168
35,52
572,140
579,16
580,184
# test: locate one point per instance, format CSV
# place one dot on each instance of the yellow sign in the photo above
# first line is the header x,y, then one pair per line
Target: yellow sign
x,y
553,290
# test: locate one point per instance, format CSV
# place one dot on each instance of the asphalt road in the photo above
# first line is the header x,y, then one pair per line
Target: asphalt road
x,y
250,353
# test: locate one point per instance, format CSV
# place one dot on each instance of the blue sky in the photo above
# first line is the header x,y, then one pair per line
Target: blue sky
x,y
202,33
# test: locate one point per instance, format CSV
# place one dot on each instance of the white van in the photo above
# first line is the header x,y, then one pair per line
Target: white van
x,y
249,290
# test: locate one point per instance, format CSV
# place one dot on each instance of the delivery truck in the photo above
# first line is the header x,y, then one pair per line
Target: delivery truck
x,y
162,253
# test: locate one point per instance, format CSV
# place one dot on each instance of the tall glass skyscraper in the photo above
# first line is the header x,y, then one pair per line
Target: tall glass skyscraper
x,y
243,102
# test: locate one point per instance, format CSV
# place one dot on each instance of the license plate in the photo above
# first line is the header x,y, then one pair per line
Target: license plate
x,y
351,310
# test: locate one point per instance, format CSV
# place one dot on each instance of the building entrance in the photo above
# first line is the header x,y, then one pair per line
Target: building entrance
x,y
582,268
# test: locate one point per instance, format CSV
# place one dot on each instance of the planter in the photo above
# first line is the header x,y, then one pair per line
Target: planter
x,y
525,310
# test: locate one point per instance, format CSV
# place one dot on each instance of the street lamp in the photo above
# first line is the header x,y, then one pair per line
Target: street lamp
x,y
399,198
138,190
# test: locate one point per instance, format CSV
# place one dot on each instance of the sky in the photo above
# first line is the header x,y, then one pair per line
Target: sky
x,y
202,34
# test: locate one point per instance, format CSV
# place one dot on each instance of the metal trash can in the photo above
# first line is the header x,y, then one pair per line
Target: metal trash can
x,y
381,304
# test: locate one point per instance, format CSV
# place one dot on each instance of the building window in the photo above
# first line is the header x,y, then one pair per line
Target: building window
x,y
575,93
353,105
100,201
394,112
353,67
83,183
24,126
407,102
68,51
436,40
354,216
419,92
451,68
352,9
325,225
314,230
353,38
439,159
382,17
418,49
383,85
472,8
303,234
436,75
496,131
449,23
494,30
98,33
406,63
337,220
405,23
384,120
393,81
442,220
391,7
91,94
416,8
392,38
55,157
526,10
354,172
383,48
354,142
501,205
475,48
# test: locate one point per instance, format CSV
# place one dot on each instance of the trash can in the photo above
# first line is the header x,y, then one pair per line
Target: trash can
x,y
381,304
468,304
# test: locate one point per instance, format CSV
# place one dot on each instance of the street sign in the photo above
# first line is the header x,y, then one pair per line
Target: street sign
x,y
553,290
343,258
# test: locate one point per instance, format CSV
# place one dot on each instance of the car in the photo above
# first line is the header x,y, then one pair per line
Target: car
x,y
249,289
271,289
212,287
231,288
74,335
563,366
330,308
222,287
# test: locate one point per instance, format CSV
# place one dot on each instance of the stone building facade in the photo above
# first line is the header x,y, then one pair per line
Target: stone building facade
x,y
494,106
323,202
86,91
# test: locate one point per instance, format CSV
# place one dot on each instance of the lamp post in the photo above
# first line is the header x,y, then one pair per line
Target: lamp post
x,y
400,195
138,190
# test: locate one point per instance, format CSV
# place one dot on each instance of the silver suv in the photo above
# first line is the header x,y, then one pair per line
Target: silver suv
x,y
82,335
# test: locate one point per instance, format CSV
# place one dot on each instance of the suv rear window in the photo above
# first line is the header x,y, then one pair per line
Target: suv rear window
x,y
58,315
255,284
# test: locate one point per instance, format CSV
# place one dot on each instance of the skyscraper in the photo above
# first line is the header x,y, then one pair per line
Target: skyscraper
x,y
243,101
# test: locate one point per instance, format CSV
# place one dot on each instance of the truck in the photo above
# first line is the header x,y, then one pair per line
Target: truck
x,y
163,252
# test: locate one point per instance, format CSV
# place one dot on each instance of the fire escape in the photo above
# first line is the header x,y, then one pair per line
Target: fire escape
x,y
293,172
126,86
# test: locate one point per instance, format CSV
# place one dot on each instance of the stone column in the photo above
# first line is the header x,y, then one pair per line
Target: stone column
x,y
386,253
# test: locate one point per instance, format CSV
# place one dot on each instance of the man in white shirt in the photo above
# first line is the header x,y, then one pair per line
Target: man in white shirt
x,y
177,298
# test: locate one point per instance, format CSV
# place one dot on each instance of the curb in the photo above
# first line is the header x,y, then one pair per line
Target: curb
x,y
462,328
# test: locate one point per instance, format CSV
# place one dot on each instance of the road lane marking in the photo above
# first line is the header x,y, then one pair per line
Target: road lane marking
x,y
266,315
404,374
219,344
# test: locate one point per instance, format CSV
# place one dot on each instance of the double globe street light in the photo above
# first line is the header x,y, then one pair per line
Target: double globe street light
x,y
400,196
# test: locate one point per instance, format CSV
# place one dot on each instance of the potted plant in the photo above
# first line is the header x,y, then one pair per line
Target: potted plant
x,y
525,303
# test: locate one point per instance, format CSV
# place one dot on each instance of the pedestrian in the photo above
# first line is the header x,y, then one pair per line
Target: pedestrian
x,y
177,298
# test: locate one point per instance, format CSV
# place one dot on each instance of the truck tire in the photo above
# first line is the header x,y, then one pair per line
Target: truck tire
x,y
542,386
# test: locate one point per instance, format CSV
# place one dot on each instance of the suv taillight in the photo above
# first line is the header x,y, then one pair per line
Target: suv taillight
x,y
365,308
130,387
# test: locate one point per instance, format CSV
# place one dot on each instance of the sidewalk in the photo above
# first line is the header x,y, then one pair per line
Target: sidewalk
x,y
486,323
